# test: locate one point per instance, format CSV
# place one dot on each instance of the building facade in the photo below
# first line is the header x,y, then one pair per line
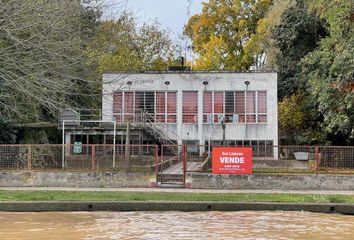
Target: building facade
x,y
192,107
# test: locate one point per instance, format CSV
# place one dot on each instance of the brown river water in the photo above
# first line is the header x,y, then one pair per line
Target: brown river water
x,y
175,225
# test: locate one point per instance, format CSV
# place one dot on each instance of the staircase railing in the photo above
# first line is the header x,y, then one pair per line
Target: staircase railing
x,y
151,121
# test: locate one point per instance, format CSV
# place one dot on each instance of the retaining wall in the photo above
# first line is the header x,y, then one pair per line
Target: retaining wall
x,y
298,182
193,180
173,206
75,179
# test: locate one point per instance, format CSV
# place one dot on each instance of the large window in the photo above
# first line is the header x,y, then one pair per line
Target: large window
x,y
235,106
190,107
159,107
213,107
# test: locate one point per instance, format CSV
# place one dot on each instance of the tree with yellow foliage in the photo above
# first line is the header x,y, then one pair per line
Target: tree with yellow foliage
x,y
223,28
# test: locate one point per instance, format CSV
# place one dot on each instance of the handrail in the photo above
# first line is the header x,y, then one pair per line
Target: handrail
x,y
151,124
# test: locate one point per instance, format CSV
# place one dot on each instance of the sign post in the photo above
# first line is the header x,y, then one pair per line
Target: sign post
x,y
232,160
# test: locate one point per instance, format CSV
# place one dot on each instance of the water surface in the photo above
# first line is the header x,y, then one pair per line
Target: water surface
x,y
175,225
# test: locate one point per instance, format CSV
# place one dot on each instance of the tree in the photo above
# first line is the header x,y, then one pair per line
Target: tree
x,y
122,45
233,22
295,37
41,60
7,133
329,69
261,49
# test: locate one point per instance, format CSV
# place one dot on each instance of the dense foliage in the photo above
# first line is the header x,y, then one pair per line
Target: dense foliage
x,y
308,42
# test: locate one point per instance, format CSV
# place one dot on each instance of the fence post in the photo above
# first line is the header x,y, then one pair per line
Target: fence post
x,y
157,162
29,157
93,157
184,147
316,159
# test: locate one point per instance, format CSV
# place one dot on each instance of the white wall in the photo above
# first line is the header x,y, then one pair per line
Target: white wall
x,y
217,81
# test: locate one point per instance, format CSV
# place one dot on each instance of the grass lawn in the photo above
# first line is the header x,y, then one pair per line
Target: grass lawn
x,y
19,195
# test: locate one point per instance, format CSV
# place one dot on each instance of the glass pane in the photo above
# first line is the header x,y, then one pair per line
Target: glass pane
x,y
190,107
240,102
139,101
262,102
218,102
207,102
229,102
251,102
128,102
262,118
117,101
251,118
160,102
171,118
171,102
150,102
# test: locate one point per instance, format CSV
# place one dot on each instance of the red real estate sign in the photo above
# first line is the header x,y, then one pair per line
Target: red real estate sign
x,y
232,160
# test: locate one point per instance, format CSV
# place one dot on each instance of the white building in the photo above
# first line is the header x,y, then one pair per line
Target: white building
x,y
189,107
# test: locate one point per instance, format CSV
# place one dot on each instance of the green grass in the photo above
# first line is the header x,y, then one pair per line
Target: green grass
x,y
19,195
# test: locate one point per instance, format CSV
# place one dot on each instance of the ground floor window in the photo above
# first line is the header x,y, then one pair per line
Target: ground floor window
x,y
260,148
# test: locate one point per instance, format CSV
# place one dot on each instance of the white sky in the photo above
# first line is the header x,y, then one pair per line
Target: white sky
x,y
172,14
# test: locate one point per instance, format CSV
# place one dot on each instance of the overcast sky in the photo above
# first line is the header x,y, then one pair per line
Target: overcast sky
x,y
172,14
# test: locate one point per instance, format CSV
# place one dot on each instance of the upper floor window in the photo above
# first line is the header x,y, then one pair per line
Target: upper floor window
x,y
138,106
235,106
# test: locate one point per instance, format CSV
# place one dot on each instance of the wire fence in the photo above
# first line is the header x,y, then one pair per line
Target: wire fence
x,y
155,158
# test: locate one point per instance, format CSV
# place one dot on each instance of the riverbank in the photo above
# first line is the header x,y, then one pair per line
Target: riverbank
x,y
77,195
47,199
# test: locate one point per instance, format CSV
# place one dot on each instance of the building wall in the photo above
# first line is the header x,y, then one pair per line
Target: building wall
x,y
217,81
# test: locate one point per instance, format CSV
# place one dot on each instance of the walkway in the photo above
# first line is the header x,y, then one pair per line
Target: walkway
x,y
177,168
175,190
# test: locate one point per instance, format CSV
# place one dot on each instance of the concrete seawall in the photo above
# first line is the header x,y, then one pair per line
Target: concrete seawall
x,y
75,179
295,182
193,180
174,206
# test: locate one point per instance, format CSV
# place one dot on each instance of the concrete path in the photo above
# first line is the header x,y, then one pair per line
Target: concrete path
x,y
175,190
177,168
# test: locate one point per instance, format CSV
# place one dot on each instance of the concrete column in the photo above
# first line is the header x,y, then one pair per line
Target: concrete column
x,y
179,115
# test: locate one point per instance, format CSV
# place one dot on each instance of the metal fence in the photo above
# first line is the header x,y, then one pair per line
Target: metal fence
x,y
132,158
154,158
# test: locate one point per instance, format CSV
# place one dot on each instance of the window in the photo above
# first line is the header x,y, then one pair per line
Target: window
x,y
238,106
118,105
251,106
142,106
190,107
213,107
160,107
171,107
218,107
208,107
129,106
262,106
